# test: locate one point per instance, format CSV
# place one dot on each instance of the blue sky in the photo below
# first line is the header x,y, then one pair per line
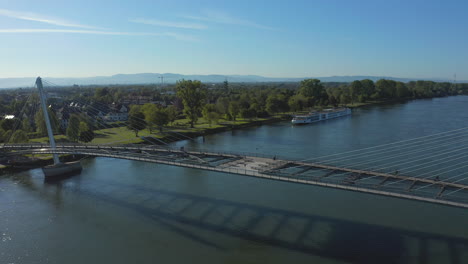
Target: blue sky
x,y
61,38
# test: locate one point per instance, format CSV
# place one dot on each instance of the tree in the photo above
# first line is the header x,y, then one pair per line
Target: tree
x,y
210,113
234,109
222,104
6,135
8,124
40,122
368,87
276,103
311,88
136,122
332,100
385,88
26,125
149,111
344,98
135,109
355,90
401,90
86,134
19,137
73,129
248,113
297,102
160,118
172,113
193,96
226,86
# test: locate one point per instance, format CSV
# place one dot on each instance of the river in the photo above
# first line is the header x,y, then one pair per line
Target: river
x,y
120,211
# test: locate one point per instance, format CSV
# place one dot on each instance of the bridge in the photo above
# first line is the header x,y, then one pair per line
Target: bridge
x,y
269,167
429,168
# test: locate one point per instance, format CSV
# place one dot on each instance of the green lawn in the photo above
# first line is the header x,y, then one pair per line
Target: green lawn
x,y
122,135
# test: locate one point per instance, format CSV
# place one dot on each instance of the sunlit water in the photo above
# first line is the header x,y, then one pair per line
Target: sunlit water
x,y
121,211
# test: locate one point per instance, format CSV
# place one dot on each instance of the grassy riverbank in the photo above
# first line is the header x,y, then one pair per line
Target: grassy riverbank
x,y
122,135
179,130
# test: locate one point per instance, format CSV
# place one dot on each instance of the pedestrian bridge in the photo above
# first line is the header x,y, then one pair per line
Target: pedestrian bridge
x,y
427,189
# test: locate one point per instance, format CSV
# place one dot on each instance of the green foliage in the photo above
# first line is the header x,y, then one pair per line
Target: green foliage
x,y
40,122
356,90
160,118
249,113
2,132
6,135
210,113
8,124
156,116
86,134
311,88
19,137
26,125
222,104
277,103
149,111
368,88
193,96
73,128
234,109
172,113
386,88
297,102
135,109
136,122
401,90
226,87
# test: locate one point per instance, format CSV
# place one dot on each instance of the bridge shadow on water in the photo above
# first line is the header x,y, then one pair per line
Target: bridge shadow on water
x,y
327,237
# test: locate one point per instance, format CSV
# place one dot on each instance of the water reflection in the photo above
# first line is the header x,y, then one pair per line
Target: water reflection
x,y
327,237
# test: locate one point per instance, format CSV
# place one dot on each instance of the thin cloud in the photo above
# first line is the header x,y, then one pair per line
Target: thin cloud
x,y
182,37
38,18
161,23
98,32
221,17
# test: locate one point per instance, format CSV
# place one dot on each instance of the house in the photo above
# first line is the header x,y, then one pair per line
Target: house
x,y
115,116
118,112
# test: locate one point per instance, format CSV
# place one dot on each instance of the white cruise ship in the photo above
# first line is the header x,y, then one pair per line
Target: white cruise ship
x,y
316,116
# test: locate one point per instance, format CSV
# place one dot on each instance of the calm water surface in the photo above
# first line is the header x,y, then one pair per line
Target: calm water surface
x,y
121,211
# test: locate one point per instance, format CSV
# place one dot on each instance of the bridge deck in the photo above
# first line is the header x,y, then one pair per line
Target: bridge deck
x,y
267,167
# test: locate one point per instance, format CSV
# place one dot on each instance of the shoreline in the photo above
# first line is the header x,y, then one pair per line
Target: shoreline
x,y
4,168
41,162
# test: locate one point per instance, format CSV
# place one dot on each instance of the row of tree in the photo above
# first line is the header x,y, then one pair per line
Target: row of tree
x,y
193,99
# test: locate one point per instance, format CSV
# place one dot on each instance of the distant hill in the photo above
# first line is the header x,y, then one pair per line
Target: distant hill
x,y
148,78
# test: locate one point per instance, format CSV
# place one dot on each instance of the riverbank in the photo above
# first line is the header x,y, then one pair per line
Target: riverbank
x,y
160,138
176,132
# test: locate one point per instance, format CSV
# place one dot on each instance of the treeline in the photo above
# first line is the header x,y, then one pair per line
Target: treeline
x,y
214,102
229,103
32,125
